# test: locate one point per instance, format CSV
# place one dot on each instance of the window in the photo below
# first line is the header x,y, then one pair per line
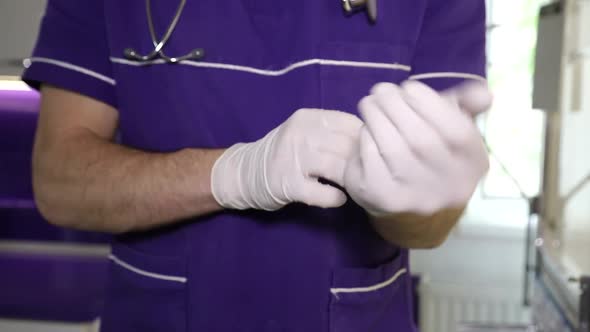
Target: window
x,y
513,130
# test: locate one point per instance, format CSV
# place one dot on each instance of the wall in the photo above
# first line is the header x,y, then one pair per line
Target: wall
x,y
475,277
474,260
19,24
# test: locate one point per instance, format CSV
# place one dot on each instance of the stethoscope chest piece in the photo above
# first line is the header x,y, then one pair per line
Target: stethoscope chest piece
x,y
351,6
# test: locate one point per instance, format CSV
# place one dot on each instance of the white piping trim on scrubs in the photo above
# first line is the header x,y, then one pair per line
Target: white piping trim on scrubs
x,y
144,272
73,67
336,291
264,72
447,75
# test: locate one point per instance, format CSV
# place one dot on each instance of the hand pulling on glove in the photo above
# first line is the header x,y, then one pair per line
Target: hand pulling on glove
x,y
419,151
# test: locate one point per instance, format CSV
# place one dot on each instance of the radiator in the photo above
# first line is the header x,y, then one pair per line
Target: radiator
x,y
443,307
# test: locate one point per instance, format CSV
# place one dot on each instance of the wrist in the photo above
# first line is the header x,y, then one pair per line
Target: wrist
x,y
225,176
418,231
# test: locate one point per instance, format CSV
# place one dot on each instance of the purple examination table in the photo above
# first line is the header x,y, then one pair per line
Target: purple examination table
x,y
57,280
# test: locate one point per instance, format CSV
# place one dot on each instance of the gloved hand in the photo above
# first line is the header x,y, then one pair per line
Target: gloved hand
x,y
285,165
419,151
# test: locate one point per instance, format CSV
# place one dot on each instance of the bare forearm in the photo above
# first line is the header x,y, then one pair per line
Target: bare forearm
x,y
89,183
417,231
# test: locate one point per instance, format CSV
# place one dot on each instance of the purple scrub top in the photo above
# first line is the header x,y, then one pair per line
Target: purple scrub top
x,y
300,269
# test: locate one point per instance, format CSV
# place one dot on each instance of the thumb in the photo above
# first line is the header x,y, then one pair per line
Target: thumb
x,y
321,195
473,97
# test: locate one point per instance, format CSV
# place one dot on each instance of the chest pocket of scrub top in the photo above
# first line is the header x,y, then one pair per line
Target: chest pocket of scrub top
x,y
350,69
372,300
145,293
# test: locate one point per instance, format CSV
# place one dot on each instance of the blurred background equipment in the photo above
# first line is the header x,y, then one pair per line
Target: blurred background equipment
x,y
562,288
536,195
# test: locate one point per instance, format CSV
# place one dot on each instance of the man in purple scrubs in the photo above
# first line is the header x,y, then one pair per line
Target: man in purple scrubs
x,y
223,178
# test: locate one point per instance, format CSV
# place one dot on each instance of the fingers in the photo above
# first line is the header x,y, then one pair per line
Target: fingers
x,y
329,167
418,135
341,122
390,100
377,172
367,177
442,114
337,132
321,195
339,145
473,97
372,162
383,134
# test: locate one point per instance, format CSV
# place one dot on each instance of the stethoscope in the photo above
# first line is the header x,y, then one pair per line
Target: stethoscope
x,y
158,51
350,7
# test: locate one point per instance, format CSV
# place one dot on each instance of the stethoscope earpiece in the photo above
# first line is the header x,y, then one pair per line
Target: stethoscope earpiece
x,y
351,6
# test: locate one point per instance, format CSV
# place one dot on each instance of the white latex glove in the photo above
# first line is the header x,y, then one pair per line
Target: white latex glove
x,y
285,165
419,151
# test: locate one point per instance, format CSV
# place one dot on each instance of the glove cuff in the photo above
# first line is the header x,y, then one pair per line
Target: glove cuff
x,y
239,177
